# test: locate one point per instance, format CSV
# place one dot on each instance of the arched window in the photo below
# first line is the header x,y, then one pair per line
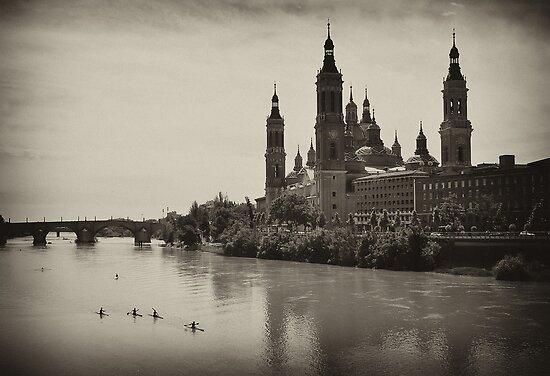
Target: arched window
x,y
323,100
459,110
445,153
460,154
332,150
332,102
276,170
452,106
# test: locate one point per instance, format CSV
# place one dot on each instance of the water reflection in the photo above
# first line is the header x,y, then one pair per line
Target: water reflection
x,y
260,316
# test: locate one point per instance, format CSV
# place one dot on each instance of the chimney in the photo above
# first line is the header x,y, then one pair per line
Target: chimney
x,y
507,161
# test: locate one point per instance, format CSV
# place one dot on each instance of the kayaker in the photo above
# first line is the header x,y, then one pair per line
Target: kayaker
x,y
193,324
134,312
101,312
116,276
155,313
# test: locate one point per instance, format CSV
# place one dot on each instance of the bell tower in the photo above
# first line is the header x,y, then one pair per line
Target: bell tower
x,y
329,134
275,156
455,130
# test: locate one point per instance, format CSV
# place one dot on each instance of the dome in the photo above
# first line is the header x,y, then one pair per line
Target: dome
x,y
275,98
368,150
329,45
423,160
351,104
454,52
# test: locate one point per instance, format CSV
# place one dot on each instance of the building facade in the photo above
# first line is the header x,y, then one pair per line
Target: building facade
x,y
351,171
517,187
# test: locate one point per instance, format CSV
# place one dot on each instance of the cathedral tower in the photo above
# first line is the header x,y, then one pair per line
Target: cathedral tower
x,y
396,147
275,156
329,134
456,129
311,156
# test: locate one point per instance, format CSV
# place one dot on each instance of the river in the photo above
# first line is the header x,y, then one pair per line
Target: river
x,y
260,317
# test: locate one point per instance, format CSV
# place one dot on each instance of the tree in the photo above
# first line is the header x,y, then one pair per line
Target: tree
x,y
451,211
336,221
321,220
373,220
292,209
351,222
397,220
250,210
200,215
384,221
537,221
487,213
414,220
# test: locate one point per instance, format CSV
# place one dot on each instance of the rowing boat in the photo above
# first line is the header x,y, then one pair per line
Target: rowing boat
x,y
193,328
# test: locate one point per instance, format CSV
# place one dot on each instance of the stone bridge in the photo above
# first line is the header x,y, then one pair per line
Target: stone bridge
x,y
86,231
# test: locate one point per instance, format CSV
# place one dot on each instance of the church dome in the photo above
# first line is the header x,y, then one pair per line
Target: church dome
x,y
368,150
454,52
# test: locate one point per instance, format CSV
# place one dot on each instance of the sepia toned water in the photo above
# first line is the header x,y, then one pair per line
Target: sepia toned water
x,y
260,317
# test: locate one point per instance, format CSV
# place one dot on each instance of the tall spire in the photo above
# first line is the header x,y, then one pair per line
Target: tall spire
x,y
329,65
454,67
275,104
350,93
311,155
421,142
298,161
395,136
366,118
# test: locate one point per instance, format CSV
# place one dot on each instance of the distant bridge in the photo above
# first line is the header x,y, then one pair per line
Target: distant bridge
x,y
85,231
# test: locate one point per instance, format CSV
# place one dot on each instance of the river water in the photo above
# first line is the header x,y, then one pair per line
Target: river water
x,y
260,317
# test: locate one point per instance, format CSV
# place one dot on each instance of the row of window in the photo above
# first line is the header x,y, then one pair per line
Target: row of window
x,y
483,182
385,195
385,203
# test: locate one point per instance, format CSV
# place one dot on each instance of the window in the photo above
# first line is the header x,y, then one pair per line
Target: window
x,y
333,177
459,110
332,151
477,182
460,154
323,99
333,194
334,206
462,183
277,170
332,102
456,184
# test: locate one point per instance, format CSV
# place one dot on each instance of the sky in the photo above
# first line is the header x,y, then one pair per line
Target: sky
x,y
125,108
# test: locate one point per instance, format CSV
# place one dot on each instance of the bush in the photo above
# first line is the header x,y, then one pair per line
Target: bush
x,y
244,244
365,249
278,246
511,268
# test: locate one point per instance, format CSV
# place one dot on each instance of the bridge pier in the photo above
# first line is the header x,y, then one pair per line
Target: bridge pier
x,y
84,236
39,237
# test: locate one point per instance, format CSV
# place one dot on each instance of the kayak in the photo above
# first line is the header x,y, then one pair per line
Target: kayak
x,y
102,314
135,314
195,328
156,317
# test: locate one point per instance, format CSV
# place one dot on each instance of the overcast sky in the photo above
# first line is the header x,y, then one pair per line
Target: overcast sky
x,y
127,107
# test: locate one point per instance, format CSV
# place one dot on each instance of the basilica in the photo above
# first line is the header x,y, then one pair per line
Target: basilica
x,y
348,147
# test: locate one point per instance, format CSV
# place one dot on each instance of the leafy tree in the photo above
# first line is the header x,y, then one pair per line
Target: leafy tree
x,y
537,221
384,220
451,211
397,220
486,213
321,220
200,215
189,235
336,221
373,220
292,209
414,220
250,211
